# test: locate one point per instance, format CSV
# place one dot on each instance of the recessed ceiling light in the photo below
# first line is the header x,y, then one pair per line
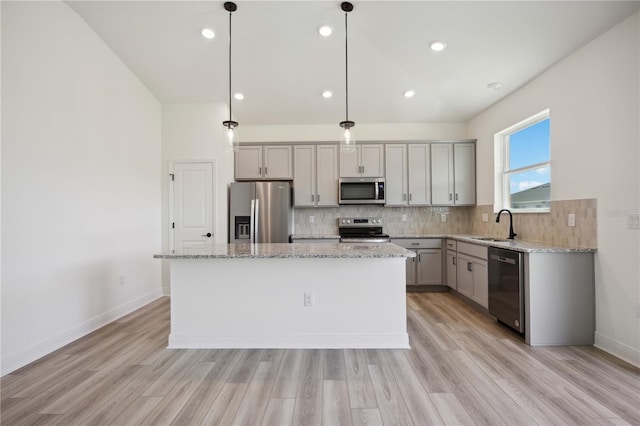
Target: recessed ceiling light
x,y
408,93
208,33
494,86
327,94
438,46
238,96
325,31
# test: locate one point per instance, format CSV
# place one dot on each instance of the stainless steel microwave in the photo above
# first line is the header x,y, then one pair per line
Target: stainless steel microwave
x,y
361,190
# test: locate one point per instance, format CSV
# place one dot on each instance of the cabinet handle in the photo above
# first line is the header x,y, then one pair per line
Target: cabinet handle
x,y
312,198
260,171
450,197
404,197
469,266
265,171
456,196
453,260
318,197
410,197
415,244
419,257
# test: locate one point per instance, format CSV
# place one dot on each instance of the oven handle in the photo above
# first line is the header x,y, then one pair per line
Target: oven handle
x,y
364,240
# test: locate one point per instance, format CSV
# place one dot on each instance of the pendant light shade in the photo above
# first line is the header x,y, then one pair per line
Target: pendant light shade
x,y
347,137
230,125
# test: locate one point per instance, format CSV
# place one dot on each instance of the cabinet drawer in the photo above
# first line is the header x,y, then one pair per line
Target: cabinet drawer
x,y
418,243
451,245
472,250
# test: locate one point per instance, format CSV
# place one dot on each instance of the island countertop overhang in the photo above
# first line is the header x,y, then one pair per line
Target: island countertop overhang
x,y
292,251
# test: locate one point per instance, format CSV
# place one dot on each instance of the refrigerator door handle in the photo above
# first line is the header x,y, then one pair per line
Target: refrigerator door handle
x,y
256,218
252,220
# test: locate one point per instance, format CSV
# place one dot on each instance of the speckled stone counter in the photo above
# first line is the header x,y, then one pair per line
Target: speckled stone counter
x,y
516,245
307,295
291,251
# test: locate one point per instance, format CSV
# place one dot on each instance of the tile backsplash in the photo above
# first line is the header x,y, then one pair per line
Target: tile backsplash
x,y
550,228
420,220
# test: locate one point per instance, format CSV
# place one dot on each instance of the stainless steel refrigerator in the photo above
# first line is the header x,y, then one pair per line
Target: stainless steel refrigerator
x,y
260,212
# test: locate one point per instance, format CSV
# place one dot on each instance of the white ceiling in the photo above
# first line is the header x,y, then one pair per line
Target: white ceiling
x,y
282,65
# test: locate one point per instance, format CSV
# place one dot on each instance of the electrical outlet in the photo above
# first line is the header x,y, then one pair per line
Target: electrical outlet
x,y
312,219
485,217
121,279
571,219
404,217
443,217
308,299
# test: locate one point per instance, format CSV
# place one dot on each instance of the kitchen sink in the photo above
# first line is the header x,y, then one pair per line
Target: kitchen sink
x,y
497,240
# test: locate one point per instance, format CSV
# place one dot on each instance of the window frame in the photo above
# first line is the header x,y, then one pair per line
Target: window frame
x,y
502,194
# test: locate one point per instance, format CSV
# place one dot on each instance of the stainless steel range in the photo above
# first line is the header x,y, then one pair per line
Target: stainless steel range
x,y
361,230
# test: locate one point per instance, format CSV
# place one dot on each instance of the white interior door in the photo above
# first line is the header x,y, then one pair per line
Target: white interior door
x,y
192,222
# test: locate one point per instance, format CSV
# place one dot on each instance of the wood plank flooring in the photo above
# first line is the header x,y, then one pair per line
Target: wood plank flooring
x,y
463,369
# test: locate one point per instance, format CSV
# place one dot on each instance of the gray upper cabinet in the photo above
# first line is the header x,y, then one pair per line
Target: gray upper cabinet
x,y
255,162
366,161
453,174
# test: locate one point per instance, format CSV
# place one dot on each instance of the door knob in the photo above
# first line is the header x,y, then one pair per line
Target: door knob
x,y
208,235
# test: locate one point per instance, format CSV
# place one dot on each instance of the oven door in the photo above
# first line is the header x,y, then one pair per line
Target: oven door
x,y
361,191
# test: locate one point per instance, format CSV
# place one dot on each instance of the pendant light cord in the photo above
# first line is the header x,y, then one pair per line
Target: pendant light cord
x,y
346,66
230,115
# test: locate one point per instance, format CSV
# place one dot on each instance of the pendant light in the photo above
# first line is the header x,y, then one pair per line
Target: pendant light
x,y
231,140
347,138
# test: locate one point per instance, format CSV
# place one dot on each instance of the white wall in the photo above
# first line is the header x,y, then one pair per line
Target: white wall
x,y
80,183
194,131
363,132
594,98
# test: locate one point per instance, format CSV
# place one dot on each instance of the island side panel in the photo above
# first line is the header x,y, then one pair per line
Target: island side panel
x,y
259,303
559,299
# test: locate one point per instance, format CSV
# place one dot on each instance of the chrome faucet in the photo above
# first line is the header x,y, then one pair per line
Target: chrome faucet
x,y
512,234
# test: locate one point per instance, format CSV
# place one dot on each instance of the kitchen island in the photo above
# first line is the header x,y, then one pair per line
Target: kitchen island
x,y
289,296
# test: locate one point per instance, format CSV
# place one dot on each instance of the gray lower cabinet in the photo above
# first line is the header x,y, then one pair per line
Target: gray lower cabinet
x,y
471,273
426,267
452,259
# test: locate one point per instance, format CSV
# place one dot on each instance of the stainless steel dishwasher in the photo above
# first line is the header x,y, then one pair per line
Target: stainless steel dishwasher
x,y
506,287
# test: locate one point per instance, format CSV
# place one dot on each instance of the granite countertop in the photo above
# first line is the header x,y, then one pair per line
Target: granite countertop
x,y
516,245
292,251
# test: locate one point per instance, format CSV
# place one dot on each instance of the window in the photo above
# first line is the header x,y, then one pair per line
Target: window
x,y
523,166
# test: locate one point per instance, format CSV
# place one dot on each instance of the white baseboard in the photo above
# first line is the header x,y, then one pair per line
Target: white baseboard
x,y
51,344
617,349
289,341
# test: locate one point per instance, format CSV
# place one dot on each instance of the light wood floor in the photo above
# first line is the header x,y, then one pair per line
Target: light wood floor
x,y
463,368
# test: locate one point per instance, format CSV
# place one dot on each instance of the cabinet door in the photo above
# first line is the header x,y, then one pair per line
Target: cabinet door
x,y
349,163
441,173
429,267
327,175
481,282
451,269
248,163
464,274
304,159
396,175
372,160
464,166
277,162
411,270
419,176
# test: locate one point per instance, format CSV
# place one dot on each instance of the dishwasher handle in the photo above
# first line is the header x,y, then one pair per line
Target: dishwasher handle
x,y
503,259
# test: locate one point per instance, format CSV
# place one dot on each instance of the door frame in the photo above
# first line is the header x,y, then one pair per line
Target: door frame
x,y
214,179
